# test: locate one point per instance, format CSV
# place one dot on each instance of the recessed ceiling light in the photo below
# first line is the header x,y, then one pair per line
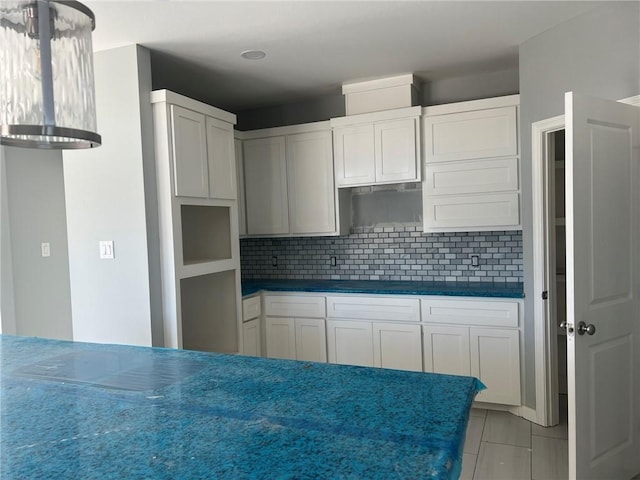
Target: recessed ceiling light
x,y
253,54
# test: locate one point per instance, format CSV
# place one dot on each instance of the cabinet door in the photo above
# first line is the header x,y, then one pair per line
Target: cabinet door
x,y
468,135
242,219
221,159
251,338
190,168
495,360
265,174
350,343
311,339
472,176
398,346
280,338
310,183
396,151
354,155
465,212
446,350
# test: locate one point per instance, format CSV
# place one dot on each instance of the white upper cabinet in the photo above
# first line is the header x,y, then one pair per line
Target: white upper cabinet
x,y
289,185
354,154
189,153
265,176
310,183
474,134
471,180
377,148
221,159
242,215
203,155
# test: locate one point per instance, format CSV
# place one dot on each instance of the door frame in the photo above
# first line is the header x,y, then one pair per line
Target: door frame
x,y
546,346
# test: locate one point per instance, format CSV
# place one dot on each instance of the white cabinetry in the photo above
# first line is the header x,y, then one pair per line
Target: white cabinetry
x,y
289,184
295,327
377,148
203,155
242,211
350,342
251,331
198,224
391,343
485,343
471,160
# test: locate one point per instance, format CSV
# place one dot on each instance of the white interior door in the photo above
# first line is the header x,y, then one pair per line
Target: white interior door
x,y
603,285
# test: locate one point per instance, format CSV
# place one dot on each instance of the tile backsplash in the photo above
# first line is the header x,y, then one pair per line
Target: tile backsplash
x,y
387,253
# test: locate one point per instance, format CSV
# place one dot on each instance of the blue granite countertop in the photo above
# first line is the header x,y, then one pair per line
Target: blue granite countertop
x,y
458,289
77,410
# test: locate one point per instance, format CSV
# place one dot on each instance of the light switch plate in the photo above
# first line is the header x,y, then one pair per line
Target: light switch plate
x,y
106,250
45,249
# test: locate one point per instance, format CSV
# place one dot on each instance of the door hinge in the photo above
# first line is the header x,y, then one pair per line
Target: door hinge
x,y
545,295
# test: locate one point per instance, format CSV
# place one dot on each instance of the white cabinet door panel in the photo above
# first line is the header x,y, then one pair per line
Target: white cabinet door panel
x,y
397,346
471,312
446,350
354,155
467,135
251,338
473,176
251,308
485,210
294,306
242,215
189,141
311,339
350,343
374,308
396,151
221,159
495,360
265,173
310,183
280,338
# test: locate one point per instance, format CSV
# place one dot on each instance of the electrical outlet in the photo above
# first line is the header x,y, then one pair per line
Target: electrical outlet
x,y
106,250
274,261
333,261
475,261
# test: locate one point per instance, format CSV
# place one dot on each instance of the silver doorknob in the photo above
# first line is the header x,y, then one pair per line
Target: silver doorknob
x,y
584,328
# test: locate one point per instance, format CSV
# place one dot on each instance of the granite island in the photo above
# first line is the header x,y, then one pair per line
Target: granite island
x,y
76,410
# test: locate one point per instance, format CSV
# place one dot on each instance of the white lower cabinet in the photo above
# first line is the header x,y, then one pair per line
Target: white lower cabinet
x,y
397,346
251,338
350,343
296,339
446,350
495,355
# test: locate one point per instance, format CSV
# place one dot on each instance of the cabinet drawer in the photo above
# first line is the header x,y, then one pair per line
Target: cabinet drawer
x,y
475,134
250,308
372,308
473,176
464,212
294,306
471,312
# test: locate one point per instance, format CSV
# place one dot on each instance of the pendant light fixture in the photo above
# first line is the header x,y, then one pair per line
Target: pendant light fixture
x,y
47,97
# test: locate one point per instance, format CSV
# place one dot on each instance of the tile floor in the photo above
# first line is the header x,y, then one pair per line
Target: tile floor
x,y
502,446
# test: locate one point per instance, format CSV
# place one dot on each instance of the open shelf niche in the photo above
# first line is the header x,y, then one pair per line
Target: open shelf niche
x,y
209,314
206,233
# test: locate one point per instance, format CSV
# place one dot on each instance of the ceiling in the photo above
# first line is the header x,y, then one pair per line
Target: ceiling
x,y
314,47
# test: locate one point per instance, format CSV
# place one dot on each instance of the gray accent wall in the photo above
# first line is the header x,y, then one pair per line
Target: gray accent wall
x,y
110,193
35,291
597,54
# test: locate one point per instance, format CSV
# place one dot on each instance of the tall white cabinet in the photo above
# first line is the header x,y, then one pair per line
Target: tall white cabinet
x,y
198,224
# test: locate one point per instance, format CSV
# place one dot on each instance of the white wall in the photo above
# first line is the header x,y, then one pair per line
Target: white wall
x,y
114,301
597,54
35,290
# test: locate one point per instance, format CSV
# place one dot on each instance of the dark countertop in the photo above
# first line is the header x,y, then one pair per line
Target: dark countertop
x,y
457,289
78,410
